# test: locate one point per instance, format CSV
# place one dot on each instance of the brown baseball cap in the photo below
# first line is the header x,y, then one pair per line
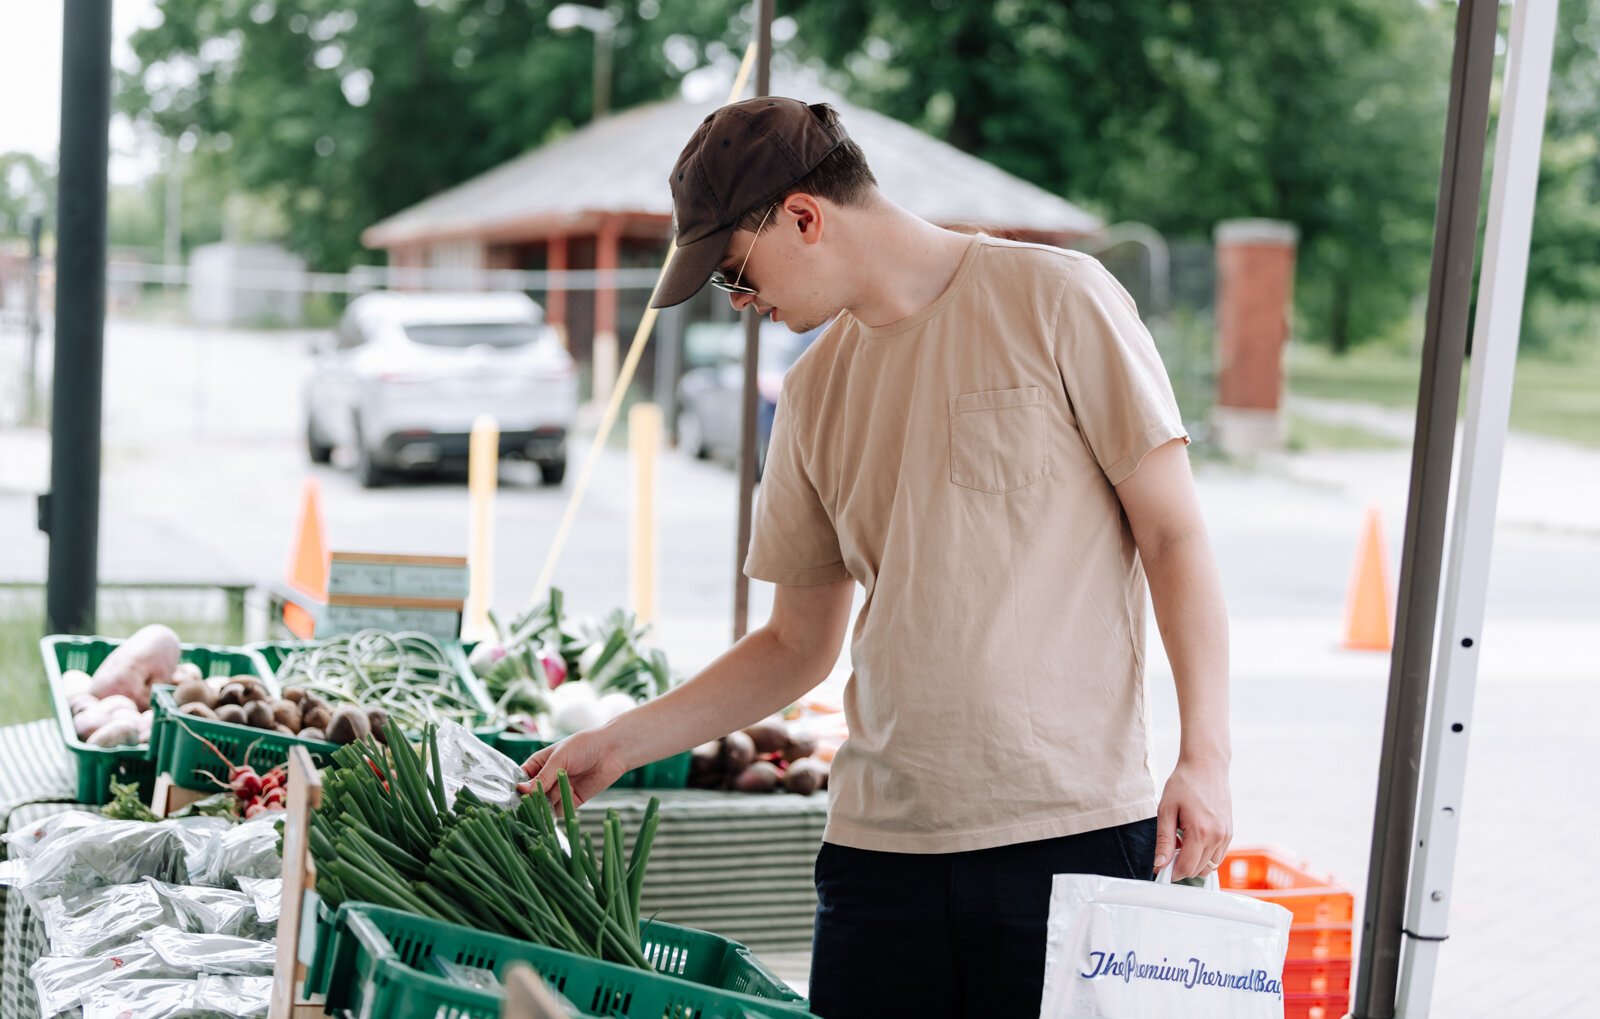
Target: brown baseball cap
x,y
741,156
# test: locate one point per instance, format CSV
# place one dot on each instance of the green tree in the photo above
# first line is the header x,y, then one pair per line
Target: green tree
x,y
1180,114
1564,260
341,112
27,188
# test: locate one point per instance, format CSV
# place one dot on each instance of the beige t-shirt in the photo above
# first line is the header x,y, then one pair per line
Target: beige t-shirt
x,y
959,464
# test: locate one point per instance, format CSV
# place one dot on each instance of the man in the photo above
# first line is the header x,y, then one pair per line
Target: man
x,y
986,441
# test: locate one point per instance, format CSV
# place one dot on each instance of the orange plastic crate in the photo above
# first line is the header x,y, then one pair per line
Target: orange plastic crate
x,y
1315,1006
1320,942
1316,976
1272,875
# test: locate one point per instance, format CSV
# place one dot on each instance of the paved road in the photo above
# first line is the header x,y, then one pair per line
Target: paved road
x,y
203,468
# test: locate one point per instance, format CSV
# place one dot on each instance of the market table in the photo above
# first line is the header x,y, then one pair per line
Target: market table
x,y
737,864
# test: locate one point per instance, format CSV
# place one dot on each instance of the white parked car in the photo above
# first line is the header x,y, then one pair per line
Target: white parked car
x,y
406,375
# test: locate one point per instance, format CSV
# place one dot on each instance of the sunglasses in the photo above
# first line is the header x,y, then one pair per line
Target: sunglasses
x,y
719,279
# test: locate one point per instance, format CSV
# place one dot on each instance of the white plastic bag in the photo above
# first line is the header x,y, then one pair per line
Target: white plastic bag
x,y
1123,949
62,982
467,762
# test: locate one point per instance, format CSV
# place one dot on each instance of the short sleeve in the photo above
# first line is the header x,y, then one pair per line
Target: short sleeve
x,y
1118,387
793,541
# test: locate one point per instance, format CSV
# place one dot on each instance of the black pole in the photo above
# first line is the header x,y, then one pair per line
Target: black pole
x,y
1439,392
70,512
752,364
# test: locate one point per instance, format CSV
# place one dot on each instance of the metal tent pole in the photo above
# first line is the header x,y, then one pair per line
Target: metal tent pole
x,y
752,365
1501,285
70,511
1444,347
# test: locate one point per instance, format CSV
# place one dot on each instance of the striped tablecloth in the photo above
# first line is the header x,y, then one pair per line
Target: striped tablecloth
x,y
737,864
37,778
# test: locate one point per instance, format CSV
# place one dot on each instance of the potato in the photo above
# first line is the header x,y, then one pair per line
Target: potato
x,y
231,713
75,682
312,732
258,715
760,777
197,709
293,694
85,723
116,733
117,704
191,691
769,736
287,714
349,724
803,777
378,721
186,672
285,729
149,656
738,750
318,716
254,689
232,693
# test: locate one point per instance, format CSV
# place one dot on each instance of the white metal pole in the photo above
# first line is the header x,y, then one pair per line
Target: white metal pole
x,y
1494,358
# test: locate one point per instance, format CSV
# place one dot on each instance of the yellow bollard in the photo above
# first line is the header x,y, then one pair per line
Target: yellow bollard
x,y
483,475
644,440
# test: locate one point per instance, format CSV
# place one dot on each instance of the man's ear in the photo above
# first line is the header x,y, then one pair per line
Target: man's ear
x,y
808,216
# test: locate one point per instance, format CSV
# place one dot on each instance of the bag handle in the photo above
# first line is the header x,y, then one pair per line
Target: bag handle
x,y
1165,877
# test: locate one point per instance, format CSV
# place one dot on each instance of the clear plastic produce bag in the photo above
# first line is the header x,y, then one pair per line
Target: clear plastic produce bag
x,y
61,982
201,840
247,850
221,954
20,845
207,997
91,856
267,894
93,922
467,762
204,910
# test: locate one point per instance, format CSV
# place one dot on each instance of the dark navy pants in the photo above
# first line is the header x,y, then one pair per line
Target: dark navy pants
x,y
950,935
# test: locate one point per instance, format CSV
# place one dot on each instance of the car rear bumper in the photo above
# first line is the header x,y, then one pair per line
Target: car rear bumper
x,y
417,447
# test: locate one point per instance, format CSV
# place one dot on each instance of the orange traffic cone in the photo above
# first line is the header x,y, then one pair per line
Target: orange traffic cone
x,y
308,561
1369,607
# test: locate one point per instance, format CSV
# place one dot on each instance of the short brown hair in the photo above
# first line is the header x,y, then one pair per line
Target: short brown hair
x,y
842,177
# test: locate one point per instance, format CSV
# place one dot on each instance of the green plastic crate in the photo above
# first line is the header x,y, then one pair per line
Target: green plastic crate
x,y
97,766
316,943
179,747
274,652
667,773
381,955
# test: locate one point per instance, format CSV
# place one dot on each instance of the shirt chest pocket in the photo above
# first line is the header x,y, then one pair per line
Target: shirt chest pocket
x,y
998,439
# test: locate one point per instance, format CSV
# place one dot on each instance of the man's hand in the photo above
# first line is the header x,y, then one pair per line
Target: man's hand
x,y
591,762
1196,802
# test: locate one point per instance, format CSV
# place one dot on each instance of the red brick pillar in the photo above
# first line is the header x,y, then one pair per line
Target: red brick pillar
x,y
1255,293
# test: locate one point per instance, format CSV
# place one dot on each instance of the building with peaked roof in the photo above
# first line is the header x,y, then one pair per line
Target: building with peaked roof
x,y
598,199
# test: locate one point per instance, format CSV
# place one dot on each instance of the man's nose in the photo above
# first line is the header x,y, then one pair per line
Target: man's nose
x,y
740,301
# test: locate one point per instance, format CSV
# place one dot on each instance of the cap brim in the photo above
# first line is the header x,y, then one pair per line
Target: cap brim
x,y
692,265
